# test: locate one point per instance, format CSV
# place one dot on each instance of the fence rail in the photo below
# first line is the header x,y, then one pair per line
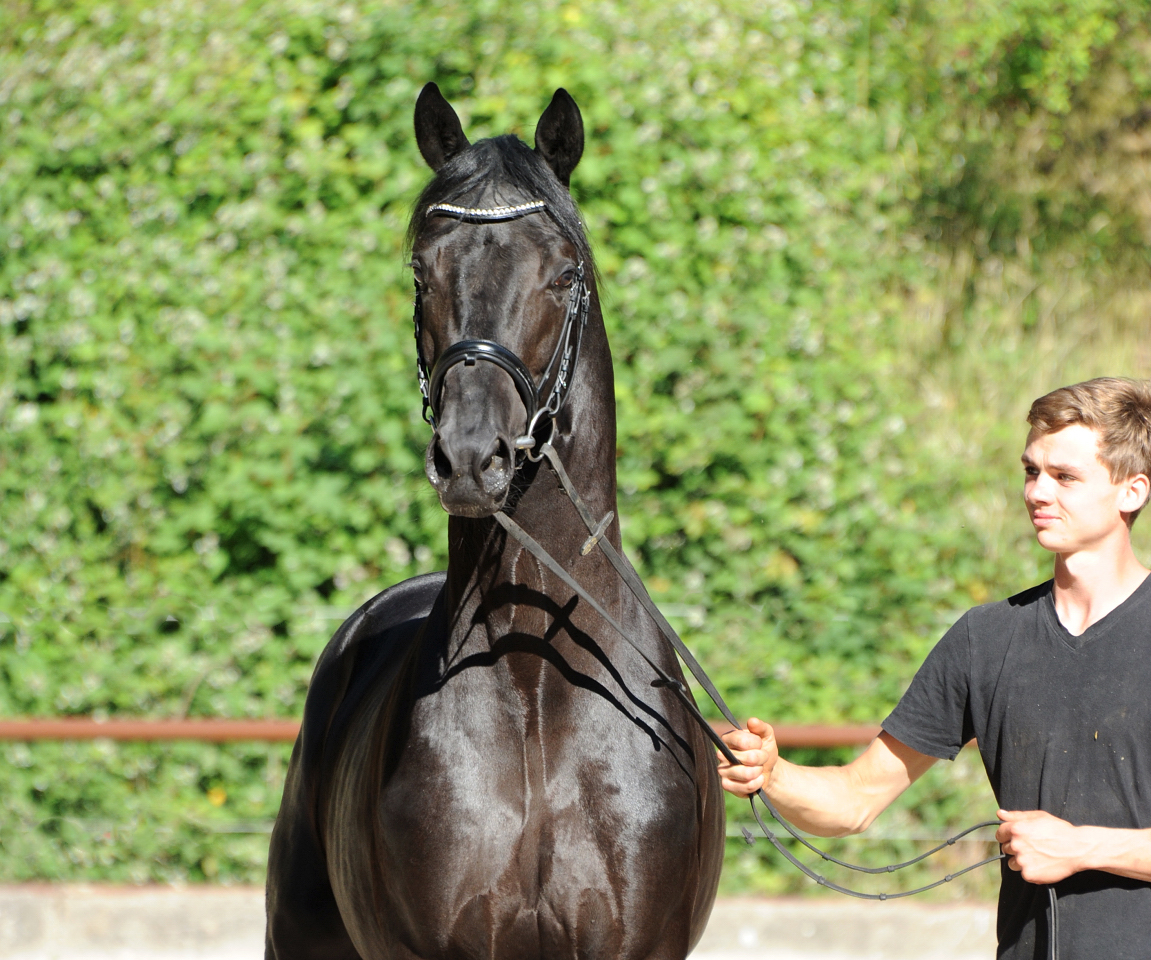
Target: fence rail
x,y
213,730
210,730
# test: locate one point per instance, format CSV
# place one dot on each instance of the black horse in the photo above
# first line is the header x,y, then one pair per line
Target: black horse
x,y
485,770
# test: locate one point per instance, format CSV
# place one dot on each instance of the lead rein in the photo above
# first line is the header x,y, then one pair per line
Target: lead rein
x,y
635,585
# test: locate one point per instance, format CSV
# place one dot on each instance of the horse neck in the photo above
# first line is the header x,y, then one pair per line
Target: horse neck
x,y
479,554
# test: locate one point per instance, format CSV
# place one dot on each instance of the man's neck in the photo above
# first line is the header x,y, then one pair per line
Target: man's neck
x,y
1089,584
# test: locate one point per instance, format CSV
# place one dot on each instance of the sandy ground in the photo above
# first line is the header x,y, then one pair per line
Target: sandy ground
x,y
48,922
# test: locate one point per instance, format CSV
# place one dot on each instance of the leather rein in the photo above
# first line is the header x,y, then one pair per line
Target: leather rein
x,y
559,371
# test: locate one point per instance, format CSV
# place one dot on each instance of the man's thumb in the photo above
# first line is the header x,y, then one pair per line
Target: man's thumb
x,y
758,727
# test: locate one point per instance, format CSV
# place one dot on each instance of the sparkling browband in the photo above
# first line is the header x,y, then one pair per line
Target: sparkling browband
x,y
487,214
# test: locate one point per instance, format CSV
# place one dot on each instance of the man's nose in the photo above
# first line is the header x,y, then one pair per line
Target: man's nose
x,y
1039,490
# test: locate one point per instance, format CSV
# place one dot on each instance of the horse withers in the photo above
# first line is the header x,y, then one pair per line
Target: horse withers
x,y
485,771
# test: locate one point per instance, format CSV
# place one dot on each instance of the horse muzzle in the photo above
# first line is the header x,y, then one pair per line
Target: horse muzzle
x,y
472,472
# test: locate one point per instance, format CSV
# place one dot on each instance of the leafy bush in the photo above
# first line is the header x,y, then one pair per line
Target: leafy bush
x,y
211,442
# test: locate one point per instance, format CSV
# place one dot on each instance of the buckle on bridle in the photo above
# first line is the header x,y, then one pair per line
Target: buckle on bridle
x,y
527,443
597,534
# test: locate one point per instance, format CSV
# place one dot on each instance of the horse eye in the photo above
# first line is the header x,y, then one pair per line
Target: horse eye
x,y
565,279
418,273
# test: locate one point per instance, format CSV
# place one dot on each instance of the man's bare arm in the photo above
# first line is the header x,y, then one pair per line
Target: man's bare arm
x,y
825,801
1046,849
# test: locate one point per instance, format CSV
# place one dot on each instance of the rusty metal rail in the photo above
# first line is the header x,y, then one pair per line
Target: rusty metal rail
x,y
203,729
213,730
822,736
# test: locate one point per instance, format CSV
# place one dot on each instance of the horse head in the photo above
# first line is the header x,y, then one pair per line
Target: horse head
x,y
498,257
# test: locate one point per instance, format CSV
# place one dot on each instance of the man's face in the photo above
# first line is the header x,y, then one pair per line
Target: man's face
x,y
1069,494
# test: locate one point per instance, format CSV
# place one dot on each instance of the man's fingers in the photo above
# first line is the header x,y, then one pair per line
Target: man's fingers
x,y
743,758
753,749
741,788
742,740
741,774
1009,816
753,759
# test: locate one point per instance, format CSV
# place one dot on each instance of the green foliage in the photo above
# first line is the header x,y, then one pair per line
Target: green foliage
x,y
211,444
133,813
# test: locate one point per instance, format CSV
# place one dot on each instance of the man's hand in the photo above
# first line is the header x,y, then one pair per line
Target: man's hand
x,y
826,801
1042,847
756,750
1046,849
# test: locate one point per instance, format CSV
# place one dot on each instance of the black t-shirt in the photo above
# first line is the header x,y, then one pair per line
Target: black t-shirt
x,y
1063,725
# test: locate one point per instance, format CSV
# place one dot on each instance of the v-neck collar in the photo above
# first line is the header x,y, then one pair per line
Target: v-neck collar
x,y
1101,626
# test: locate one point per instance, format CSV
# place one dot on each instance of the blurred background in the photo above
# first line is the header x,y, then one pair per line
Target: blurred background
x,y
842,248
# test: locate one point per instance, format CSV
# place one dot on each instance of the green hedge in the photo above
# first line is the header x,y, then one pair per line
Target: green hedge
x,y
211,446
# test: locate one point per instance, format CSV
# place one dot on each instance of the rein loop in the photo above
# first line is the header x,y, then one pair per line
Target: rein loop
x,y
635,585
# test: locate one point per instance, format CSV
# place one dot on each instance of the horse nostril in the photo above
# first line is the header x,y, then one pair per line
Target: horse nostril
x,y
501,457
442,464
465,467
497,460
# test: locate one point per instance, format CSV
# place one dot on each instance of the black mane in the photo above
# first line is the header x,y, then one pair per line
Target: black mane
x,y
499,171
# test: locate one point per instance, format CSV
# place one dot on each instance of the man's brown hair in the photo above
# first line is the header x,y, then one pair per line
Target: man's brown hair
x,y
1116,408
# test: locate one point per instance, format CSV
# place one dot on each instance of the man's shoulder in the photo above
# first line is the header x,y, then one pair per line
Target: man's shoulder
x,y
1028,597
1014,607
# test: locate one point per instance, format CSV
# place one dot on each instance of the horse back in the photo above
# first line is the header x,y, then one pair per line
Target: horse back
x,y
303,919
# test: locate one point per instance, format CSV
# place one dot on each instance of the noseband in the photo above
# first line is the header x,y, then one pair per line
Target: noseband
x,y
561,366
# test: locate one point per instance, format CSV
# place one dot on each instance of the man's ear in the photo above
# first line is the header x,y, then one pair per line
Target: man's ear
x,y
438,131
1137,489
559,136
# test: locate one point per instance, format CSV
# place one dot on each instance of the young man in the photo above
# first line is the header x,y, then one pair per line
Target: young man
x,y
1055,685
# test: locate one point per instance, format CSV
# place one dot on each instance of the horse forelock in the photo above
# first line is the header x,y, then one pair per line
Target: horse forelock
x,y
502,171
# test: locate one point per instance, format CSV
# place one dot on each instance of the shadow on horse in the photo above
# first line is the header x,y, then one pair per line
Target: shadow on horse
x,y
485,770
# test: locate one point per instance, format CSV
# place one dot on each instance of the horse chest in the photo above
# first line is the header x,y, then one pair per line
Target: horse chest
x,y
526,756
522,817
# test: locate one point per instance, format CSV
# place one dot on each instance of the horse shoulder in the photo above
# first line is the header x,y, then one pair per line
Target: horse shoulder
x,y
303,918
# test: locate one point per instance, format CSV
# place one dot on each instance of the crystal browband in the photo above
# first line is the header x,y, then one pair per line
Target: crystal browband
x,y
487,214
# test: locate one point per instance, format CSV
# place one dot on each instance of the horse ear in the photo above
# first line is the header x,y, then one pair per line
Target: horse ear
x,y
559,135
438,131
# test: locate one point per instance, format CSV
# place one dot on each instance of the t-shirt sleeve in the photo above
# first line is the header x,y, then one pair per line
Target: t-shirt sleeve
x,y
934,715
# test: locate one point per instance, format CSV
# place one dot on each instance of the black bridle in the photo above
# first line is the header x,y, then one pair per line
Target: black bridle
x,y
563,362
560,368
